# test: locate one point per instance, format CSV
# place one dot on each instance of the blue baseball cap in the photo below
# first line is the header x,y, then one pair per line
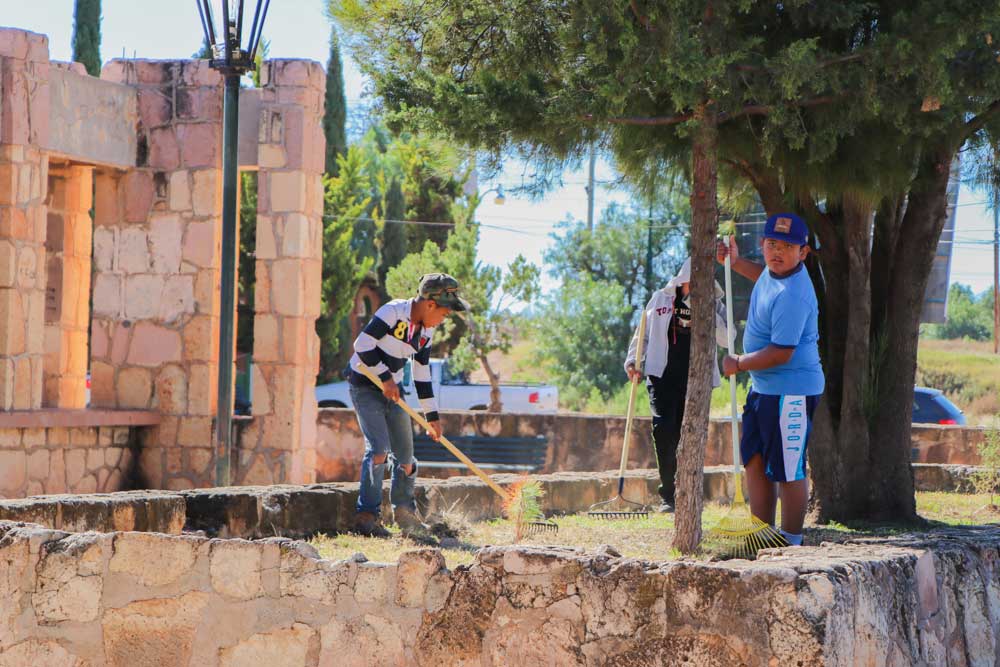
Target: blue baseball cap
x,y
787,227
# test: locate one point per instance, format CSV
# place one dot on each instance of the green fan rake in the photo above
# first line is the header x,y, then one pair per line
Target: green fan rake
x,y
740,534
621,507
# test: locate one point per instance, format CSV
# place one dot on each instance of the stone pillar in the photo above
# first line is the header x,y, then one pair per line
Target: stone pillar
x,y
67,296
24,120
157,258
280,446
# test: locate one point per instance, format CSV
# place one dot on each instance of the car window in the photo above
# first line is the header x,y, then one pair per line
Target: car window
x,y
925,409
450,376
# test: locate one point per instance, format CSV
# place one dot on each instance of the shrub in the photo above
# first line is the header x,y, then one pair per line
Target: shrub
x,y
987,478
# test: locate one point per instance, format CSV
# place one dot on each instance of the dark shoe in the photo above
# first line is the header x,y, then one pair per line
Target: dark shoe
x,y
412,527
368,525
665,508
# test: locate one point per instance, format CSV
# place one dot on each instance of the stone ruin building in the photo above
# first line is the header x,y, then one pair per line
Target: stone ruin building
x,y
110,219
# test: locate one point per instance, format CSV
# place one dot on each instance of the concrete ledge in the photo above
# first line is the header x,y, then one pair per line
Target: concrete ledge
x,y
255,512
156,512
943,477
58,418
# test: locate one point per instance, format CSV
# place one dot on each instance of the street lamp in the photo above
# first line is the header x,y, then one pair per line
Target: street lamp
x,y
500,199
233,61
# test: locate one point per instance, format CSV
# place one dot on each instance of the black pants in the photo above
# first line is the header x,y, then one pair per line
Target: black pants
x,y
666,402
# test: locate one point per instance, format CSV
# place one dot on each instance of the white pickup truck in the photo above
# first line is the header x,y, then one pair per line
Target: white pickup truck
x,y
455,392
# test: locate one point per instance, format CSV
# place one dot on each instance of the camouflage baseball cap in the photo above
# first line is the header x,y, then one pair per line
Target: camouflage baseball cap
x,y
442,289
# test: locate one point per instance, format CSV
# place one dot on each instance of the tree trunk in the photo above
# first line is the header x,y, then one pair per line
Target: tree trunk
x,y
496,405
926,212
874,296
694,429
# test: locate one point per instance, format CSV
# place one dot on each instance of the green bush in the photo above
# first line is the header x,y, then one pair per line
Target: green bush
x,y
987,478
967,372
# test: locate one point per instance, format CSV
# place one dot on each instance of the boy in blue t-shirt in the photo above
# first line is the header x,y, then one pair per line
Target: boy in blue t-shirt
x,y
782,356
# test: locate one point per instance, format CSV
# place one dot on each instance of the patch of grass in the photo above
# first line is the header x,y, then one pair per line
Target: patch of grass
x,y
648,538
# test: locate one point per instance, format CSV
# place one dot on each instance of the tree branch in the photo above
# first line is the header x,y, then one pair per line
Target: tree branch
x,y
977,122
749,110
820,65
643,20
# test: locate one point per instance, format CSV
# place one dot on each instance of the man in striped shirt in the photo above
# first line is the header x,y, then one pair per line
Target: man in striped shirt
x,y
400,330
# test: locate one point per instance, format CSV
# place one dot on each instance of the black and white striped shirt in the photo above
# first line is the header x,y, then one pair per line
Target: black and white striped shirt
x,y
384,345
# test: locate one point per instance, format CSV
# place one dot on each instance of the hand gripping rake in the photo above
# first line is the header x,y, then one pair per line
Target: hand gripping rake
x,y
621,507
741,533
523,514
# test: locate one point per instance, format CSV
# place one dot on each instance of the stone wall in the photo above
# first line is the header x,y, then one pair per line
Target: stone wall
x,y
280,444
91,119
580,442
156,267
24,131
65,460
139,599
145,139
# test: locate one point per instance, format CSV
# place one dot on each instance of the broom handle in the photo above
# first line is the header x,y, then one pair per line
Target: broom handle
x,y
731,336
630,410
459,454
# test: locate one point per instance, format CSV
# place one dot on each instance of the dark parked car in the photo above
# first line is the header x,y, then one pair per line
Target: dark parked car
x,y
930,406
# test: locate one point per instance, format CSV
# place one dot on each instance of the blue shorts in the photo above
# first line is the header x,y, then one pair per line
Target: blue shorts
x,y
777,428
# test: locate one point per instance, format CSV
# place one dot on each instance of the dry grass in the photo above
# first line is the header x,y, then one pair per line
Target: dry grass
x,y
638,538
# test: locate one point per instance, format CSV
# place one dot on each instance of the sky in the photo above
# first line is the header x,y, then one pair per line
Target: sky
x,y
300,29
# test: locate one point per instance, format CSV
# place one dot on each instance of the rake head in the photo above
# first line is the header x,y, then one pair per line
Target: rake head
x,y
618,508
741,535
523,506
539,527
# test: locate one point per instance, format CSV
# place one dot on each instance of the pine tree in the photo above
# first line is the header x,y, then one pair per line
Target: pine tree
x,y
87,35
394,246
335,117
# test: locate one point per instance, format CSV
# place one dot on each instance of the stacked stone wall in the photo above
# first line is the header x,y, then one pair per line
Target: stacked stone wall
x,y
157,256
24,123
279,445
138,599
52,460
578,442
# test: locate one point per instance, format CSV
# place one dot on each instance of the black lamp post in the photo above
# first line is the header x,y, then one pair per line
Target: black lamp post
x,y
232,61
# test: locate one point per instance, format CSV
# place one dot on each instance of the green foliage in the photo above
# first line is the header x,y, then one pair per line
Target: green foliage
x,y
986,479
335,113
615,250
345,200
579,334
489,291
968,316
205,52
382,178
246,281
263,51
87,35
394,244
968,373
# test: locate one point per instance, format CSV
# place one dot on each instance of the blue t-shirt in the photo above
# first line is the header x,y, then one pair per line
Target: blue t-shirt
x,y
783,312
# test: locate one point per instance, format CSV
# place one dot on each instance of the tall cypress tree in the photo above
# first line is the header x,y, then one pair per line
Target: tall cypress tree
x,y
335,116
393,234
87,35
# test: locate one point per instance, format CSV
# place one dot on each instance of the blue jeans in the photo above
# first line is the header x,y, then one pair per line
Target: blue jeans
x,y
387,430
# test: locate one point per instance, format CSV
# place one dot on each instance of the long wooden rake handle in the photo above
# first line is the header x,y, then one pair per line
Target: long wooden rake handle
x,y
459,454
630,410
731,335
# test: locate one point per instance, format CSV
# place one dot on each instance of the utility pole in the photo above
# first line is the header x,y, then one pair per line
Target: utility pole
x,y
590,190
996,271
649,251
